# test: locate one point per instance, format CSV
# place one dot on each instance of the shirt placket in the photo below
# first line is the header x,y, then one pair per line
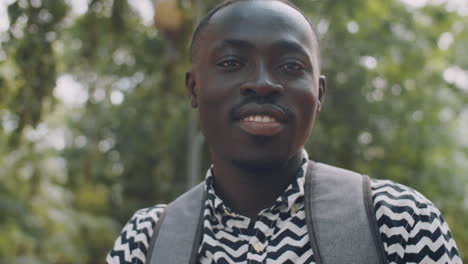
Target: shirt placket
x,y
258,242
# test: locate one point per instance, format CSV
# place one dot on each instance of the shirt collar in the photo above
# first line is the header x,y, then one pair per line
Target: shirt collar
x,y
284,202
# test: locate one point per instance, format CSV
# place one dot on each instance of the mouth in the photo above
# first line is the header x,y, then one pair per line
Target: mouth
x,y
260,125
259,118
262,120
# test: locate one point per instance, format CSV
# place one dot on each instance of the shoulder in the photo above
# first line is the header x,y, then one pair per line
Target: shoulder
x,y
411,226
392,198
132,244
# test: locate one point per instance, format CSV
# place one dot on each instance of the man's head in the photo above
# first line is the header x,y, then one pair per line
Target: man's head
x,y
255,79
205,20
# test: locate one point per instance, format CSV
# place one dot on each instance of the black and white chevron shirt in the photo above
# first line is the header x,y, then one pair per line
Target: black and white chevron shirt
x,y
411,227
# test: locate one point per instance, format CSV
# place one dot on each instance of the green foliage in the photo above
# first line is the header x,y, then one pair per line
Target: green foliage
x,y
72,174
35,28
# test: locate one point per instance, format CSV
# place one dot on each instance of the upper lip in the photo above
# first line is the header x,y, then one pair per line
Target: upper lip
x,y
252,109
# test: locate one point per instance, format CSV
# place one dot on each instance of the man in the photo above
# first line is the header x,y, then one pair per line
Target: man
x,y
256,82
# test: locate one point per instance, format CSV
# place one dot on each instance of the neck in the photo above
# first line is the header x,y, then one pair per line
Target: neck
x,y
247,191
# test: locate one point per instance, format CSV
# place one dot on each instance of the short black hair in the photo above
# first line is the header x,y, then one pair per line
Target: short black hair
x,y
204,22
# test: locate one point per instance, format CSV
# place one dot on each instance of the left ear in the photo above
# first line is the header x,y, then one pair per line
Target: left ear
x,y
191,86
322,88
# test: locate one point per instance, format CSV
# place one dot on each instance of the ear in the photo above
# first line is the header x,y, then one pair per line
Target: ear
x,y
191,89
322,88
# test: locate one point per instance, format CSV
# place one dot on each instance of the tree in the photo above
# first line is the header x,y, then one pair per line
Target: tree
x,y
73,173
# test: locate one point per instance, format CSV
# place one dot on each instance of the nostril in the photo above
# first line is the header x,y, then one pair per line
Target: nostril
x,y
275,93
248,91
261,89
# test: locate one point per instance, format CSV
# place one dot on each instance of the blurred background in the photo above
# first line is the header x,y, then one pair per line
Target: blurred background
x,y
95,122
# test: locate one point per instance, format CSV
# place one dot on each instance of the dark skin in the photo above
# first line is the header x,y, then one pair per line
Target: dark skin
x,y
256,82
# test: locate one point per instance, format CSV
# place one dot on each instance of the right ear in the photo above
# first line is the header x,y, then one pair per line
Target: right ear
x,y
191,86
322,88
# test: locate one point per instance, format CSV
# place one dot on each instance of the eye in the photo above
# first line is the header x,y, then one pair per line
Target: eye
x,y
292,67
230,64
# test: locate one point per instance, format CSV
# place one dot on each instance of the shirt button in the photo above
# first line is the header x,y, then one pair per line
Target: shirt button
x,y
226,212
293,209
258,247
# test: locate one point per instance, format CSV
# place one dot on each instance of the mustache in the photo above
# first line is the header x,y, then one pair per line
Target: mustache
x,y
235,110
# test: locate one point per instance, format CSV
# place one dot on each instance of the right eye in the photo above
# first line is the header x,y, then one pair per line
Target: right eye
x,y
230,64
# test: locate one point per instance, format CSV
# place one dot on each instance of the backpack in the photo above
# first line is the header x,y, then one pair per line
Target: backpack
x,y
340,218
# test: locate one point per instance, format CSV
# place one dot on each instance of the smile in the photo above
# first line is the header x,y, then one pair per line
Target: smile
x,y
259,118
260,125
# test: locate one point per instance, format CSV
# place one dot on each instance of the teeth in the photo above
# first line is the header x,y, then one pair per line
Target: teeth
x,y
259,118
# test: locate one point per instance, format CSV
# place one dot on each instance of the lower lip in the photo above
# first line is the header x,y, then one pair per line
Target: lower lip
x,y
261,128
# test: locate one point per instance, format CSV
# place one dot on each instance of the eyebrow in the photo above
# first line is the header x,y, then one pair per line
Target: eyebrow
x,y
278,45
291,45
234,43
294,46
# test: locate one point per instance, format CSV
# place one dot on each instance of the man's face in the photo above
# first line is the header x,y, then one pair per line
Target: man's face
x,y
255,79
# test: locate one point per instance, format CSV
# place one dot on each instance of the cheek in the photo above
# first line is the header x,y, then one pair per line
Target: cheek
x,y
215,88
305,103
305,98
214,106
215,102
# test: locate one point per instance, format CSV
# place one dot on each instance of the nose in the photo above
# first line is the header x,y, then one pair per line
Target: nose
x,y
262,85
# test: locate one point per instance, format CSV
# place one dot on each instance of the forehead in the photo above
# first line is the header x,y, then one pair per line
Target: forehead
x,y
260,23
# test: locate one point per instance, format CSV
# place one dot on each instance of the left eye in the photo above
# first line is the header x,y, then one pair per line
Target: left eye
x,y
292,66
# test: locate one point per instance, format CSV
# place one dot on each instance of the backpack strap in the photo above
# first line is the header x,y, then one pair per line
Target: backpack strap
x,y
340,216
340,219
184,215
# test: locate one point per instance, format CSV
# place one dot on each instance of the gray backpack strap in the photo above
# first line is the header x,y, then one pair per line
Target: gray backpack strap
x,y
178,233
338,215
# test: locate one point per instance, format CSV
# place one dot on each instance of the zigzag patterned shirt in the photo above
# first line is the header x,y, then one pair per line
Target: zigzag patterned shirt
x,y
411,227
